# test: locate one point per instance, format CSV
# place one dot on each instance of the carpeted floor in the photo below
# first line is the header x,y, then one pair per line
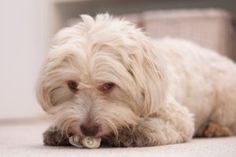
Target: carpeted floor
x,y
25,140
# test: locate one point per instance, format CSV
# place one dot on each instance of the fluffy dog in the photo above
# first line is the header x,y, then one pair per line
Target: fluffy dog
x,y
105,78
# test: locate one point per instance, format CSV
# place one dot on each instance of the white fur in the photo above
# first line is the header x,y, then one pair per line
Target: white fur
x,y
171,78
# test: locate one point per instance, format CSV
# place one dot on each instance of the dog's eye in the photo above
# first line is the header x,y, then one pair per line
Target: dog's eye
x,y
73,86
107,87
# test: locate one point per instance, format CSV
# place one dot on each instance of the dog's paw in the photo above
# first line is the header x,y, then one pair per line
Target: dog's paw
x,y
54,137
135,136
216,130
123,140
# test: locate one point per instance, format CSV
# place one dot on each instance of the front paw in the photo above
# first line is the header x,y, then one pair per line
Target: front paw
x,y
55,137
122,140
134,136
145,133
128,138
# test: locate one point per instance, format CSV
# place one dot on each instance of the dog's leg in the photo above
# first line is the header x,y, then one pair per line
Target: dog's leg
x,y
170,124
223,118
55,137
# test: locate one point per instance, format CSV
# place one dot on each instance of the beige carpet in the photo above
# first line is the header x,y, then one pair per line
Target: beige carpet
x,y
24,140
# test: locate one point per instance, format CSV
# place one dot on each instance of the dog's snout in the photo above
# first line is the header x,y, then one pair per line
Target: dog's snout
x,y
89,129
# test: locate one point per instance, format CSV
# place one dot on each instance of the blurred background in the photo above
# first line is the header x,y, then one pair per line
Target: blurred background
x,y
27,26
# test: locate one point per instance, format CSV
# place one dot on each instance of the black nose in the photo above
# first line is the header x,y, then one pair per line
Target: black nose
x,y
89,129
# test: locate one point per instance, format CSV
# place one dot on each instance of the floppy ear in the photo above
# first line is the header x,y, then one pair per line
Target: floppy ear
x,y
147,67
51,87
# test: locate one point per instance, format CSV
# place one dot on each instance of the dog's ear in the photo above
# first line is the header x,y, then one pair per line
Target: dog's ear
x,y
147,68
51,87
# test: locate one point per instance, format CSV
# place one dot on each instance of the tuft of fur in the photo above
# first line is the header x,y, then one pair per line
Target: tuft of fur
x,y
159,86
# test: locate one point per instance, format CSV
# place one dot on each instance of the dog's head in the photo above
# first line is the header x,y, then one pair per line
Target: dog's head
x,y
101,75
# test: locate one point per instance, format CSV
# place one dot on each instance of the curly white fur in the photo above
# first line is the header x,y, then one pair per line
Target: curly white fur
x,y
159,85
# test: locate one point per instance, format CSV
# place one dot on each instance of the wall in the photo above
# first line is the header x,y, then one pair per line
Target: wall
x,y
23,40
66,9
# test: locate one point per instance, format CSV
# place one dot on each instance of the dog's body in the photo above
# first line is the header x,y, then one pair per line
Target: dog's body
x,y
201,80
105,78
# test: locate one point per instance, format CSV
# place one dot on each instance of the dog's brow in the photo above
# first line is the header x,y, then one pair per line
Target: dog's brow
x,y
84,85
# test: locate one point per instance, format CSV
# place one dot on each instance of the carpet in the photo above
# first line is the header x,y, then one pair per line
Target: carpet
x,y
25,140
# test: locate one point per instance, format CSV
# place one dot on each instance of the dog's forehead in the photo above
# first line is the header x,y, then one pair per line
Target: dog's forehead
x,y
95,65
101,54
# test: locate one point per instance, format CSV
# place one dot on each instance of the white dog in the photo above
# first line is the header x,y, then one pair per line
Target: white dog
x,y
104,78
